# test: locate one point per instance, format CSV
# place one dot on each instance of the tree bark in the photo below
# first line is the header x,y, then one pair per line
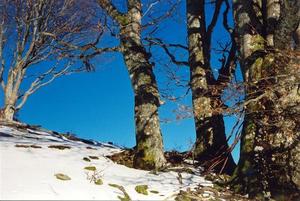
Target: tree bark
x,y
210,130
149,145
15,77
268,165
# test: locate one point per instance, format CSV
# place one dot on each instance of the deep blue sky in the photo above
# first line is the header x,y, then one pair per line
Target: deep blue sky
x,y
99,105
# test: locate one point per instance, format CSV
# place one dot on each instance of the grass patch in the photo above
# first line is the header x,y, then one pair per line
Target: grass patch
x,y
63,177
98,182
90,168
142,189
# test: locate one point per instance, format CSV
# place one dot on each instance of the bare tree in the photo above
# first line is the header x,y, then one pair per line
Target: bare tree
x,y
270,149
206,90
36,36
149,146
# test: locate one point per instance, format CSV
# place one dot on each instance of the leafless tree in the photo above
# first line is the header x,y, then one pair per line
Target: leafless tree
x,y
207,92
125,23
268,41
37,39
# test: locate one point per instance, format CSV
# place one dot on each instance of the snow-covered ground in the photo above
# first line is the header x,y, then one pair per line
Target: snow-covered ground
x,y
29,173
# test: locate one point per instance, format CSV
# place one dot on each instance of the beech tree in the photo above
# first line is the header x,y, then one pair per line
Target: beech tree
x,y
211,148
268,41
149,153
207,91
31,33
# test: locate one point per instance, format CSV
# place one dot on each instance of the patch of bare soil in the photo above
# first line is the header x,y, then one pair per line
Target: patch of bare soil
x,y
123,158
28,146
60,147
174,158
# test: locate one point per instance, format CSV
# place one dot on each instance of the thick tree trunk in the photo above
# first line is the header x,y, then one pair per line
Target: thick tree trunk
x,y
10,99
7,113
210,131
149,144
269,164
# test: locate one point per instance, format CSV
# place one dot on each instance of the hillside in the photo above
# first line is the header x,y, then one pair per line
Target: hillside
x,y
38,164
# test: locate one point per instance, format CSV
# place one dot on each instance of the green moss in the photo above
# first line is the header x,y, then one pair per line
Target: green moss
x,y
63,177
90,168
257,69
154,191
250,131
99,182
145,159
142,189
114,185
123,20
257,42
86,159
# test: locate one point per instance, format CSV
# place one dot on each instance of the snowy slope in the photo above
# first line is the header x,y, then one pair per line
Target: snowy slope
x,y
29,173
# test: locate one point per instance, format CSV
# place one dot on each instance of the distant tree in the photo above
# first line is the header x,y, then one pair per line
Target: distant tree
x,y
268,41
35,46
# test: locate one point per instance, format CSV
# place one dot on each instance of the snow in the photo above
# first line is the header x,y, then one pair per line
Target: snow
x,y
28,173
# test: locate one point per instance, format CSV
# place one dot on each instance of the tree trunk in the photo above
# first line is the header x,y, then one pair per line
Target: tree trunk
x,y
149,146
210,131
270,150
7,113
10,97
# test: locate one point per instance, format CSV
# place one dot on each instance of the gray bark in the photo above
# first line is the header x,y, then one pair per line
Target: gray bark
x,y
269,158
210,129
149,145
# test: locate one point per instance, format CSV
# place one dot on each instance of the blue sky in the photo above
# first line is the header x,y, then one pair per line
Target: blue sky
x,y
99,105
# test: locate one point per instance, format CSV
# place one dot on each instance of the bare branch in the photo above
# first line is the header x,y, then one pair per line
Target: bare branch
x,y
150,7
165,47
214,20
111,10
38,82
228,68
